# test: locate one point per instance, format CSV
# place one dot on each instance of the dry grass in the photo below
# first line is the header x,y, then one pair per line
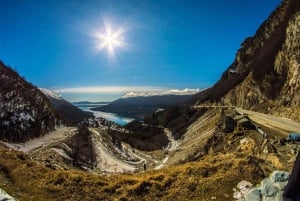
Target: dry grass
x,y
213,176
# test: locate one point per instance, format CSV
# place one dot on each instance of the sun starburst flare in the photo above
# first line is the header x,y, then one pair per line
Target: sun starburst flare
x,y
110,39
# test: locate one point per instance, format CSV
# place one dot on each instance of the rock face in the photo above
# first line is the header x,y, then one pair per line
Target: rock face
x,y
24,111
270,189
265,75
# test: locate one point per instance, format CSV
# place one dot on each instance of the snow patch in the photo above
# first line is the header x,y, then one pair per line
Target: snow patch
x,y
185,91
50,93
5,196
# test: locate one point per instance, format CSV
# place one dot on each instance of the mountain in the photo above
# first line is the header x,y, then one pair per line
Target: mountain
x,y
186,91
265,75
141,106
25,112
68,111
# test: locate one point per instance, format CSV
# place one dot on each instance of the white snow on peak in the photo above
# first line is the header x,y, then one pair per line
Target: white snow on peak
x,y
50,93
138,94
185,91
131,94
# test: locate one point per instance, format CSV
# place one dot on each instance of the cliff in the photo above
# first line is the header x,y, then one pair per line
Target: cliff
x,y
265,75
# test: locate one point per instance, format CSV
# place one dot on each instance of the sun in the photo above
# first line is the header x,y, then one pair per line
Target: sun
x,y
110,39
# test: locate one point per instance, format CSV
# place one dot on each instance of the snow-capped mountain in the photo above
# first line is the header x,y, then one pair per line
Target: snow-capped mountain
x,y
177,92
140,105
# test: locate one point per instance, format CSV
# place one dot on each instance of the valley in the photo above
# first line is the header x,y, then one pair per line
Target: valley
x,y
112,158
110,116
215,152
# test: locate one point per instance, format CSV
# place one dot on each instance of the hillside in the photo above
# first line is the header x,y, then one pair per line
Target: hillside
x,y
265,75
142,106
68,111
214,176
25,112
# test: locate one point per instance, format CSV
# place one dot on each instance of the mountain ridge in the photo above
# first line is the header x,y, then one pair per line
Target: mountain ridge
x,y
70,113
25,111
176,92
142,106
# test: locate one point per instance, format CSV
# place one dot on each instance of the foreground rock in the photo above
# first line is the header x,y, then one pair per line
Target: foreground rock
x,y
270,189
5,197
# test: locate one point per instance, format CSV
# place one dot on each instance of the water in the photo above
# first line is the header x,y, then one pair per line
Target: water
x,y
108,116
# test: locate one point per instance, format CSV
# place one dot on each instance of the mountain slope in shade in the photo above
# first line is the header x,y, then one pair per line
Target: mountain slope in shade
x,y
265,76
68,111
25,112
141,106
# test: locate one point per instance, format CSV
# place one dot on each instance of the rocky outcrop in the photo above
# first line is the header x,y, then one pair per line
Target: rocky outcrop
x,y
288,62
265,75
270,189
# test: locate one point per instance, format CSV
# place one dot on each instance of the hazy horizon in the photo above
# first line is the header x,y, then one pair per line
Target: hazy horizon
x,y
109,94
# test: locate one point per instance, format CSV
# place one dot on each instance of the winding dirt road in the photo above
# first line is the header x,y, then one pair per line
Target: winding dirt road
x,y
106,161
172,146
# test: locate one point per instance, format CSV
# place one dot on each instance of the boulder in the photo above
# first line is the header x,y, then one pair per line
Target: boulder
x,y
270,189
253,195
242,188
279,176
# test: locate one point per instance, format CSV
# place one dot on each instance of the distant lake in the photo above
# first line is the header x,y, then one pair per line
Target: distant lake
x,y
108,116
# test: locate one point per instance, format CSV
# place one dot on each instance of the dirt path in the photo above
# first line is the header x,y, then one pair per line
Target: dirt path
x,y
37,144
283,124
173,144
106,161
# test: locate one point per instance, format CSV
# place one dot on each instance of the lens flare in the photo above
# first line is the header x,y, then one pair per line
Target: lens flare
x,y
110,39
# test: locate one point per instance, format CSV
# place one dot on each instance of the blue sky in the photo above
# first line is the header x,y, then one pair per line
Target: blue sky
x,y
168,43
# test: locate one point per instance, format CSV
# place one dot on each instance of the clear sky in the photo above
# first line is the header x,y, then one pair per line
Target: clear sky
x,y
153,44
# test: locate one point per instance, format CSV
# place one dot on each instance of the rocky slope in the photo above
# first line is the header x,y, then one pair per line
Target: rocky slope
x,y
265,76
24,111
